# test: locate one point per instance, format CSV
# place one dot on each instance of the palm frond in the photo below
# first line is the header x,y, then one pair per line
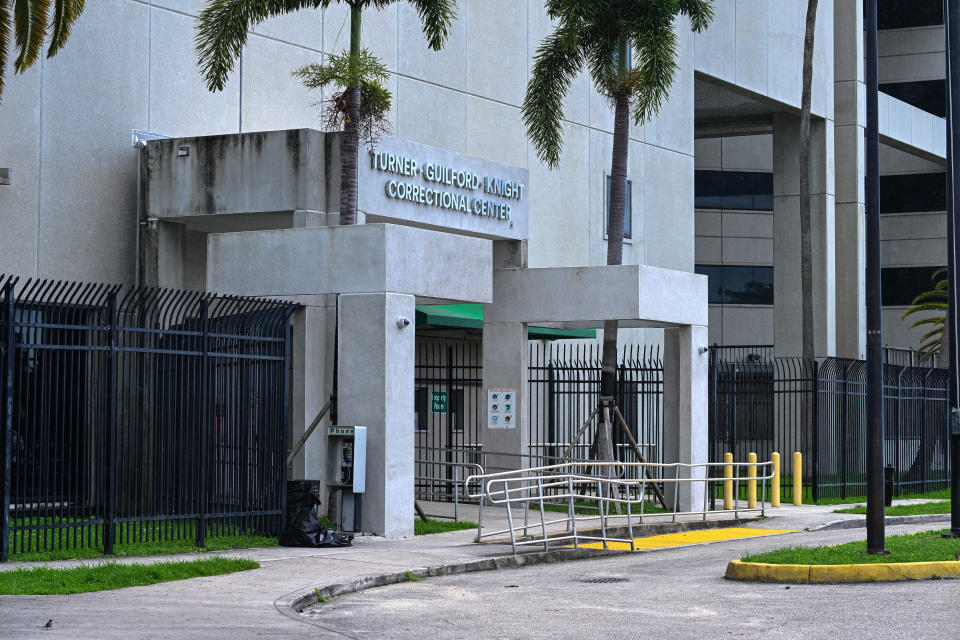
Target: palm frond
x,y
437,18
65,15
920,308
222,31
38,32
4,40
556,63
653,75
21,31
700,13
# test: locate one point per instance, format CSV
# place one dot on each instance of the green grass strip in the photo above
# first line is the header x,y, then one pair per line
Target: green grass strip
x,y
926,546
145,548
422,528
43,581
921,508
931,495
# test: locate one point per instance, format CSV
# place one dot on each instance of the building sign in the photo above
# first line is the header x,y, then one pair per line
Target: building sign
x,y
439,401
433,188
501,409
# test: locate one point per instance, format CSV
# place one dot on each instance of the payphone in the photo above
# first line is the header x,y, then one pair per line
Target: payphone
x,y
346,474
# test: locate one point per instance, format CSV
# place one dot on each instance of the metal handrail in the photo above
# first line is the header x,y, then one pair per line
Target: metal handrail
x,y
562,483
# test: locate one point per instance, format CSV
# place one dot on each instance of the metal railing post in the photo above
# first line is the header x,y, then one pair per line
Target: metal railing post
x,y
9,339
603,517
543,517
110,469
573,513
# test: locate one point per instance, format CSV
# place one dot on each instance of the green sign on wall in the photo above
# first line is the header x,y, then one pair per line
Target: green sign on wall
x,y
439,401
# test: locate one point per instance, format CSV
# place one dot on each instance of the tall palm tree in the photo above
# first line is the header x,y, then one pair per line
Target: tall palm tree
x,y
806,248
808,342
222,33
30,21
599,36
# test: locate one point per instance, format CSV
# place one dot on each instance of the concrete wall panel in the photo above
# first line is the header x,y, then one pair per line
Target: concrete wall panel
x,y
92,196
20,151
185,107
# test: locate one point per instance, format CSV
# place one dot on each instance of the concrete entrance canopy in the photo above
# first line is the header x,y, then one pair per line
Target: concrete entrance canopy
x,y
584,297
639,296
434,267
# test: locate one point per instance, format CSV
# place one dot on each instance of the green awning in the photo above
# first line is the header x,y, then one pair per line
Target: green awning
x,y
470,316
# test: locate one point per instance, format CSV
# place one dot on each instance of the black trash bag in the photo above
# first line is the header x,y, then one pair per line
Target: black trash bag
x,y
303,523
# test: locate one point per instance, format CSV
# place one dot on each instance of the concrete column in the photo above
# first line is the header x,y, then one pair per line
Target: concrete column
x,y
787,309
506,358
375,389
312,379
850,114
685,376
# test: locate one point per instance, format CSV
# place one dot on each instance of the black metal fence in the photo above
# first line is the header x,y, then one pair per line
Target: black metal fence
x,y
139,415
564,385
764,404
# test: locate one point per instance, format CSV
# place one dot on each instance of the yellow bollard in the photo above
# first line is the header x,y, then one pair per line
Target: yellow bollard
x,y
775,481
752,481
797,478
727,484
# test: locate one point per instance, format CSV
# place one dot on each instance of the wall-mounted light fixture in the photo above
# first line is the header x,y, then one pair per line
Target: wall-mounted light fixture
x,y
6,175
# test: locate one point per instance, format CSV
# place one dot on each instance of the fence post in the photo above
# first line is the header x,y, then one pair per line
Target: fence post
x,y
843,431
285,420
815,463
7,392
110,470
712,436
204,423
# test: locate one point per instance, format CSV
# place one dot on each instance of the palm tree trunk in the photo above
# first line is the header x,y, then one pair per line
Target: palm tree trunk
x,y
806,249
351,143
603,444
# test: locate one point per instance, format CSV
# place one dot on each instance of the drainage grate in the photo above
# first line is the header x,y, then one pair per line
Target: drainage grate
x,y
604,580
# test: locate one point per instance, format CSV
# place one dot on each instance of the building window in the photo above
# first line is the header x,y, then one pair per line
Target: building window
x,y
929,95
901,285
745,190
627,209
913,193
731,284
905,14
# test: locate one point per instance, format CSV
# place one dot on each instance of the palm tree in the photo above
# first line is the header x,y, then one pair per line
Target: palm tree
x,y
935,302
806,250
222,33
599,36
30,21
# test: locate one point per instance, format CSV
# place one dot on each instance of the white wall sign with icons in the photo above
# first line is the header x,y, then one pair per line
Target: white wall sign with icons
x,y
501,409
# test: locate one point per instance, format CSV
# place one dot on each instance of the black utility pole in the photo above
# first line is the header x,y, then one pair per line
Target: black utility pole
x,y
875,499
951,18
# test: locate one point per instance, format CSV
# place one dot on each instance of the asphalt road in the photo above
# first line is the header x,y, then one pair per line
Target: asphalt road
x,y
673,593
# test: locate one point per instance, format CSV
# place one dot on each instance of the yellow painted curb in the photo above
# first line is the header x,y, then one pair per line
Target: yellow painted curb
x,y
827,573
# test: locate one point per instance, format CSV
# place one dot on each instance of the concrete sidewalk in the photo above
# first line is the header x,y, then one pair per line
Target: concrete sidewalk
x,y
246,604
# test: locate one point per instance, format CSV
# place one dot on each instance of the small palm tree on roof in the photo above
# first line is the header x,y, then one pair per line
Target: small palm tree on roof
x,y
362,104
